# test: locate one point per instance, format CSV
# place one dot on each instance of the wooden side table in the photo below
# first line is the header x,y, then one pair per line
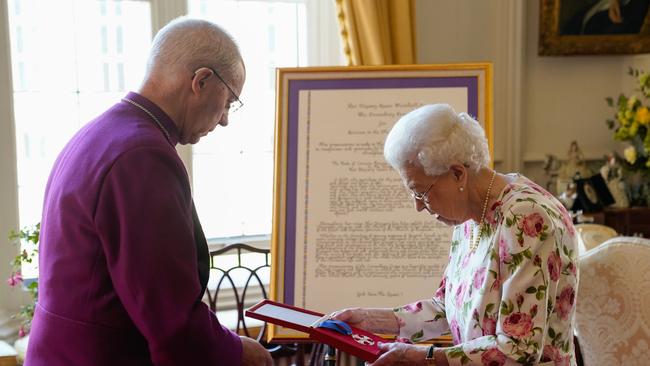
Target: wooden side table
x,y
629,221
7,355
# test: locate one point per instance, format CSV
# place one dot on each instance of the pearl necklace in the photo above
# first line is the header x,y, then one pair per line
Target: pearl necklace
x,y
145,110
476,237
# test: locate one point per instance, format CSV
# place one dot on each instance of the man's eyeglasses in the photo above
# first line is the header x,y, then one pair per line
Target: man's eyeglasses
x,y
236,104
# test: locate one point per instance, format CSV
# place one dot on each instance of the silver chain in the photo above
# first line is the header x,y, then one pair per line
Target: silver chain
x,y
145,110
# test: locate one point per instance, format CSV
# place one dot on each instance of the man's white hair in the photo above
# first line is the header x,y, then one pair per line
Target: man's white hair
x,y
185,44
435,137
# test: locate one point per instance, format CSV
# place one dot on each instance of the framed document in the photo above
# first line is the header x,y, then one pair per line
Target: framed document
x,y
345,232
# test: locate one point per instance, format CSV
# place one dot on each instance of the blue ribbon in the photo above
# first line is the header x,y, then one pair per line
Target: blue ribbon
x,y
335,325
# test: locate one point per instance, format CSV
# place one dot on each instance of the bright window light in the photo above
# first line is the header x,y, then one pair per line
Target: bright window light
x,y
233,167
71,60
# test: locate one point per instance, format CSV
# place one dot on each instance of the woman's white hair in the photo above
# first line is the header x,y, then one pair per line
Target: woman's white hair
x,y
186,44
435,137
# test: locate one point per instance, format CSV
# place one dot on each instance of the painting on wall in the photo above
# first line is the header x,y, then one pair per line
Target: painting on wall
x,y
594,27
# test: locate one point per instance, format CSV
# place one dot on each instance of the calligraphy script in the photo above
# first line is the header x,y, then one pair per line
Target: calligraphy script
x,y
363,243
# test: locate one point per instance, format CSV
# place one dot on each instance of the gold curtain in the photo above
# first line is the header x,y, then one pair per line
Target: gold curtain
x,y
377,32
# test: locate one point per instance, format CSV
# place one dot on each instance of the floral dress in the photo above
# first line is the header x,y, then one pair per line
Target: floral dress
x,y
512,300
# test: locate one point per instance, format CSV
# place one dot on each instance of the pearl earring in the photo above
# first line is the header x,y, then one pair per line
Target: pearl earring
x,y
461,189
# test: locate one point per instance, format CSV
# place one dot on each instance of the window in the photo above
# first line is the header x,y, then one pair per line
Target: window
x,y
232,168
72,59
70,62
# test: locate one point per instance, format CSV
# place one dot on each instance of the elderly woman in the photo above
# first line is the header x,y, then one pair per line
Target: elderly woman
x,y
507,296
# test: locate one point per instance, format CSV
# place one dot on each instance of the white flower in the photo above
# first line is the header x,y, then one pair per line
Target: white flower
x,y
630,154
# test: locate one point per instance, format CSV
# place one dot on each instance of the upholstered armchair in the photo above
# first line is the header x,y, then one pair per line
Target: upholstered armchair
x,y
613,303
592,235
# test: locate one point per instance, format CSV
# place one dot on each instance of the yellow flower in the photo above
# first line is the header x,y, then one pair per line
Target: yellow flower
x,y
625,117
643,116
634,128
643,78
632,102
630,154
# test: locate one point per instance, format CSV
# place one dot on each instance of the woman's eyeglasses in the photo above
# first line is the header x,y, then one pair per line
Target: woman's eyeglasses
x,y
421,196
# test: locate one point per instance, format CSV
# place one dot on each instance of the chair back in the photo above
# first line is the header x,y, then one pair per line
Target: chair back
x,y
612,312
592,235
239,278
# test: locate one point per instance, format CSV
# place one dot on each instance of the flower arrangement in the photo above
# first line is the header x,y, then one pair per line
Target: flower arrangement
x,y
26,235
631,124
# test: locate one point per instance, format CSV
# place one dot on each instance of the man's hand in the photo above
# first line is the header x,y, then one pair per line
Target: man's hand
x,y
254,354
377,320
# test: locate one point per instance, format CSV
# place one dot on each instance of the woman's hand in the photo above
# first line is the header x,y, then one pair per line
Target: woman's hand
x,y
375,320
398,354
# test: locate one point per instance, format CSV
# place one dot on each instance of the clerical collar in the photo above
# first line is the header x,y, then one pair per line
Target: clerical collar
x,y
156,114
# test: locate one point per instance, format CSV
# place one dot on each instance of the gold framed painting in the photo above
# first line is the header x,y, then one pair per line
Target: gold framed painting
x,y
594,27
344,229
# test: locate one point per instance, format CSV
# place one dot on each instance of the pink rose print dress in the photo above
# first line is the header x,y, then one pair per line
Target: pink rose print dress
x,y
512,300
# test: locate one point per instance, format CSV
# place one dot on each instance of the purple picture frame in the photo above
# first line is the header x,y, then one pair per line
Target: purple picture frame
x,y
475,78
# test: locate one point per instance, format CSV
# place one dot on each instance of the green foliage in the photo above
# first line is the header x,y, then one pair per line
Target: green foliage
x,y
507,307
631,123
417,337
457,352
489,308
28,236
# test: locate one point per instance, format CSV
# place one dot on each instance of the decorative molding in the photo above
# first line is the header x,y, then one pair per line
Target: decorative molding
x,y
538,158
162,12
509,66
185,153
323,29
8,327
9,184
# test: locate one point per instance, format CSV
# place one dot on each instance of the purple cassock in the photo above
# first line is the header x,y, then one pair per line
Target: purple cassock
x,y
123,260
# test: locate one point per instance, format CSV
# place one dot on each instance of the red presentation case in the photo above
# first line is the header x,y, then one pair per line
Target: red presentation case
x,y
361,343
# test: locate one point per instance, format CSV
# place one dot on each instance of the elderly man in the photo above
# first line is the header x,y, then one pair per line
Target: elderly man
x,y
123,260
